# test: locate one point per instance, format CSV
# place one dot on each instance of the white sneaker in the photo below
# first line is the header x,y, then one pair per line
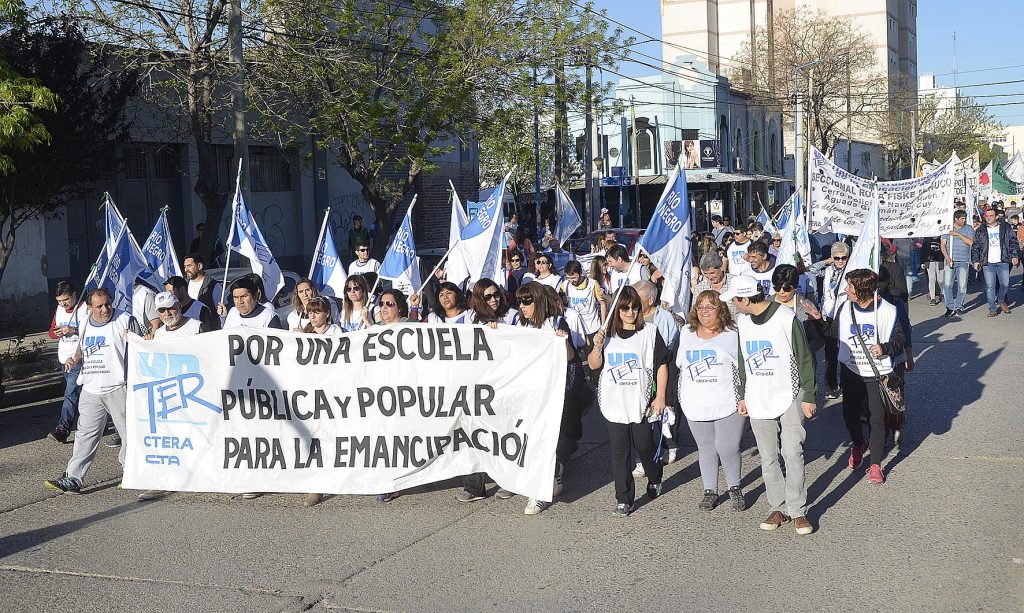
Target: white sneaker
x,y
251,495
151,494
534,507
638,470
672,454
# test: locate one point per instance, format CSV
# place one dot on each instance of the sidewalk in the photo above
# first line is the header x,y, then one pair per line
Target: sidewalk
x,y
35,388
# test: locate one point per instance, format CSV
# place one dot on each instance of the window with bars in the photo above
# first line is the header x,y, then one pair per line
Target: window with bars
x,y
135,162
269,170
166,162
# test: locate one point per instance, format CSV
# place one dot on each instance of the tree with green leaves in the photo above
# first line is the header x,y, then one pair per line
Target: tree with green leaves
x,y
21,98
389,87
89,118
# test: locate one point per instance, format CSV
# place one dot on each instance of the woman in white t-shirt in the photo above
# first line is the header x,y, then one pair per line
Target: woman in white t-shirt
x,y
707,395
545,268
318,312
303,293
451,306
356,312
488,305
633,379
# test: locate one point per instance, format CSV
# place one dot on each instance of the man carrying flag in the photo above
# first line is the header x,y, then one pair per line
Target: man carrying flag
x,y
667,242
327,272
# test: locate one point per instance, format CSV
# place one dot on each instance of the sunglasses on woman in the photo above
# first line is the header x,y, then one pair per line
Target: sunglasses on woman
x,y
527,301
629,307
492,296
785,287
388,303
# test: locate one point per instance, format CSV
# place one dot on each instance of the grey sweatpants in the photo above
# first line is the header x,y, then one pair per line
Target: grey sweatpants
x,y
786,493
92,420
718,440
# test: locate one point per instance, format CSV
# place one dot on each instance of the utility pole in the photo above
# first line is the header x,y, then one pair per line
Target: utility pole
x,y
636,157
956,82
238,101
588,159
536,159
849,120
798,170
913,140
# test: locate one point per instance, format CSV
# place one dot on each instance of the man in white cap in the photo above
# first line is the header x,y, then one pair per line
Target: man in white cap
x,y
777,390
168,307
175,324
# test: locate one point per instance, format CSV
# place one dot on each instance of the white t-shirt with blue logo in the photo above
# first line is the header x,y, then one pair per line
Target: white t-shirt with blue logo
x,y
994,255
708,375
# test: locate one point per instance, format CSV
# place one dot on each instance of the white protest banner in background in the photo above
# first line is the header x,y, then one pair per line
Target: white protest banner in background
x,y
373,411
967,170
922,206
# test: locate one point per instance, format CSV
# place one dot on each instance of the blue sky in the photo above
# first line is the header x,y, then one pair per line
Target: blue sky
x,y
988,34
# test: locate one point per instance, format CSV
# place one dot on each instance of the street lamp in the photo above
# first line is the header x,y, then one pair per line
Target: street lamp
x,y
599,165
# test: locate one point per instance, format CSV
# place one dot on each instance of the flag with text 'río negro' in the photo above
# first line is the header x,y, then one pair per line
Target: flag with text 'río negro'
x,y
667,242
159,251
481,238
246,239
400,259
327,272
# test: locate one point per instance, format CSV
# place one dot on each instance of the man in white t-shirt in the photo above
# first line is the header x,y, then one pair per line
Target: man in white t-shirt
x,y
622,271
736,252
248,312
143,309
65,329
102,352
363,263
193,309
995,250
762,266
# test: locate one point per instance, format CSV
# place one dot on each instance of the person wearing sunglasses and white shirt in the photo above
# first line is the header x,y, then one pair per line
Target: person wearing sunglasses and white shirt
x,y
363,263
833,297
777,391
631,360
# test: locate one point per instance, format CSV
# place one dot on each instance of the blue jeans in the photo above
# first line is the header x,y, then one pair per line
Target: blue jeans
x,y
957,272
994,272
69,410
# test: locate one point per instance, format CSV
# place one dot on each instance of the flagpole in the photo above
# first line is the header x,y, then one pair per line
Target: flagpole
x,y
319,242
439,262
231,231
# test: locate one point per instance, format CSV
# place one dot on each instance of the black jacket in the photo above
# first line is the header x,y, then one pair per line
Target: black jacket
x,y
1009,247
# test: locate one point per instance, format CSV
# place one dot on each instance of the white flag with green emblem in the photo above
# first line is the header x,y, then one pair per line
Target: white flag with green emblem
x,y
865,251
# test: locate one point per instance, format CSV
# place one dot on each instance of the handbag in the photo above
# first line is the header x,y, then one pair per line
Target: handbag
x,y
888,386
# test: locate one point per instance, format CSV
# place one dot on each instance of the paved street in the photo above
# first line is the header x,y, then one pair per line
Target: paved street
x,y
944,534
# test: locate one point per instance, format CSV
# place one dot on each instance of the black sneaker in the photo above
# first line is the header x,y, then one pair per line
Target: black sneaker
x,y
736,500
709,501
113,441
832,393
949,313
60,434
622,509
653,490
958,312
66,484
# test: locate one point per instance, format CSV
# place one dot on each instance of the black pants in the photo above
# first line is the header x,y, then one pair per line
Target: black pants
x,y
475,484
622,438
831,362
861,395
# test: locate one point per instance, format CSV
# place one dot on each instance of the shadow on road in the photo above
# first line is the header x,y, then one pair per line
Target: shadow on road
x,y
30,539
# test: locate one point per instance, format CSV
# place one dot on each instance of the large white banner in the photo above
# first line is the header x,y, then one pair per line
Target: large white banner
x,y
373,411
967,172
914,207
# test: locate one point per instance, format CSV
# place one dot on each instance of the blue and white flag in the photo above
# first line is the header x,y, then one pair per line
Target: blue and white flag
x,y
481,238
787,210
766,222
159,251
125,266
246,239
96,273
401,253
114,223
667,242
796,244
456,270
568,219
327,272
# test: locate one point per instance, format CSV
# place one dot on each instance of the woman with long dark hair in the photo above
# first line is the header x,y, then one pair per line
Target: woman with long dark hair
x,y
451,305
633,381
488,305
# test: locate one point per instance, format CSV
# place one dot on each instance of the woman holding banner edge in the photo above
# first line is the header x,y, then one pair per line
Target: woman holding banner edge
x,y
633,381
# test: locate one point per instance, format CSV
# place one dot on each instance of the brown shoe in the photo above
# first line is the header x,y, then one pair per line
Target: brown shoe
x,y
1005,309
776,519
312,500
993,313
802,525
